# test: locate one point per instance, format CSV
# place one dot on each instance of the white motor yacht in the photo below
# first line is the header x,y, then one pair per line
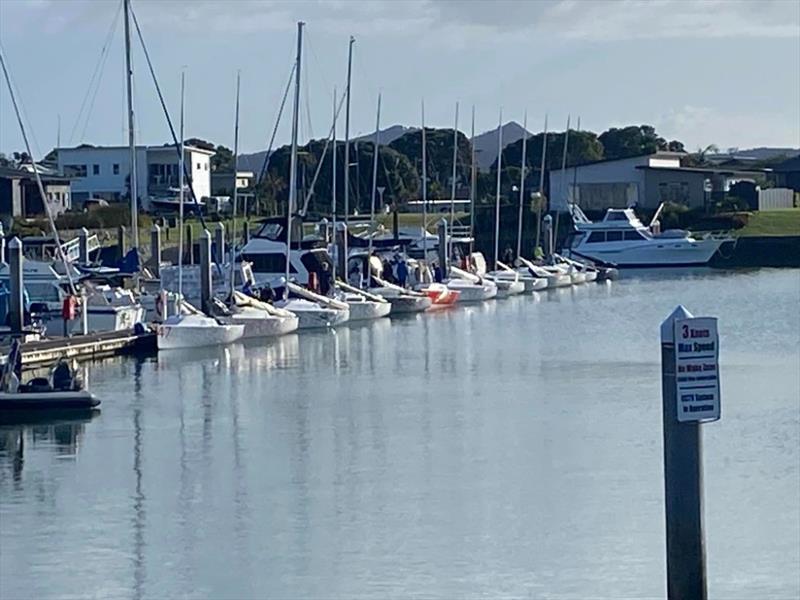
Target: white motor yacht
x,y
621,239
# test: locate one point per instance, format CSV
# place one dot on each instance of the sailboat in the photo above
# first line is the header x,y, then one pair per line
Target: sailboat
x,y
313,310
190,328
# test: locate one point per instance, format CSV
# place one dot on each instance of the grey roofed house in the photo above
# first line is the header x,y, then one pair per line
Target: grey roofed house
x,y
644,181
787,173
20,197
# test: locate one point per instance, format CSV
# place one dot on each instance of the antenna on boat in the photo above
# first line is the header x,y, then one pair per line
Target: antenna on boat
x,y
524,167
131,134
453,185
235,181
181,161
293,158
56,240
541,185
347,133
374,173
497,191
563,177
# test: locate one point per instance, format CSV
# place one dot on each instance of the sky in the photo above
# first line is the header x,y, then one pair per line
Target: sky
x,y
722,72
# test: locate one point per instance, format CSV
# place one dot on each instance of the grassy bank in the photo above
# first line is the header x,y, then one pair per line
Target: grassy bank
x,y
781,222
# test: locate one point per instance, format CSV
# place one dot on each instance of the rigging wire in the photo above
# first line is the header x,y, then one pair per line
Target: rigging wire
x,y
268,156
96,77
186,169
40,186
12,84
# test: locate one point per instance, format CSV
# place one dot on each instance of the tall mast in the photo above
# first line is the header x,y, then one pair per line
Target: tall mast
x,y
293,159
563,176
473,180
182,162
424,191
374,172
497,191
453,185
333,180
541,185
235,180
347,133
131,136
524,167
575,174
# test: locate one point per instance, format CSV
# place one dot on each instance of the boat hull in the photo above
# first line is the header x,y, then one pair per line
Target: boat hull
x,y
409,304
658,253
366,310
266,326
47,400
473,292
506,288
172,337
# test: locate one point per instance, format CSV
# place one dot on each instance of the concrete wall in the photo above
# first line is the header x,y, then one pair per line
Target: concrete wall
x,y
106,184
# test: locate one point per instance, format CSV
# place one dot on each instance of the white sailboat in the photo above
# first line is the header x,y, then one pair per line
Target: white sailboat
x,y
260,319
190,328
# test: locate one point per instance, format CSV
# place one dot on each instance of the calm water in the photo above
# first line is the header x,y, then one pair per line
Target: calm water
x,y
510,449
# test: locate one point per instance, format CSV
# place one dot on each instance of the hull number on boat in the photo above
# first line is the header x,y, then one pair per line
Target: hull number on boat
x,y
697,369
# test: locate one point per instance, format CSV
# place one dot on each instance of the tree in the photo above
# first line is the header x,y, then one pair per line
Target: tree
x,y
4,161
698,158
634,140
439,155
222,161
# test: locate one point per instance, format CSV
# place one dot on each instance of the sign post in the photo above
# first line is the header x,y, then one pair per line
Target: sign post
x,y
690,396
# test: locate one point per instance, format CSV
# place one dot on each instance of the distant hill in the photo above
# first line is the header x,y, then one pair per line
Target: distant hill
x,y
388,135
252,162
486,143
754,154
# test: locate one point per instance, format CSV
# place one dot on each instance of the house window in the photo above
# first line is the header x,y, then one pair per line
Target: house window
x,y
95,169
115,169
596,236
199,166
75,170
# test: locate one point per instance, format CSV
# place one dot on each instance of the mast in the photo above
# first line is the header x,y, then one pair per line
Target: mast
x,y
424,191
453,185
293,160
522,182
182,162
333,181
575,174
131,136
374,172
473,181
497,191
347,133
235,181
563,177
541,186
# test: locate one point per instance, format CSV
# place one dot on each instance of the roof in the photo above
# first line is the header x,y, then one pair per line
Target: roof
x,y
704,171
14,173
659,154
170,147
789,165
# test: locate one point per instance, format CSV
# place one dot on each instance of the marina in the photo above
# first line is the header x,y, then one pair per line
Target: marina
x,y
451,453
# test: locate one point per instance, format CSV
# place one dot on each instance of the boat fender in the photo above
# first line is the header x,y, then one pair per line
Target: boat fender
x,y
68,308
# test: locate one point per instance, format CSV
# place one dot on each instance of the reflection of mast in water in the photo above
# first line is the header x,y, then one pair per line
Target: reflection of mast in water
x,y
138,499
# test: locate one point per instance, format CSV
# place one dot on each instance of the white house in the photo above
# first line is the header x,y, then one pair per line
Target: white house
x,y
103,171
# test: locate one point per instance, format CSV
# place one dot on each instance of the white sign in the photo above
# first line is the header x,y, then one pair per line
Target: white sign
x,y
697,369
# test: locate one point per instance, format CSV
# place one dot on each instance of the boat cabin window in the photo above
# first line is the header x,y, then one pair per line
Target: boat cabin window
x,y
634,235
268,263
596,236
616,216
613,236
271,231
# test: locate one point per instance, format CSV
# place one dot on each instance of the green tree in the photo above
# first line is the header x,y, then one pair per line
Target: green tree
x,y
634,140
222,161
439,155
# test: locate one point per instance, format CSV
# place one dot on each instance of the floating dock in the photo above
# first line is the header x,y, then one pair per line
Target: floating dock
x,y
84,347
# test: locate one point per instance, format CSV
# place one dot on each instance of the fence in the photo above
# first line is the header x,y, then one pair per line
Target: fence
x,y
775,198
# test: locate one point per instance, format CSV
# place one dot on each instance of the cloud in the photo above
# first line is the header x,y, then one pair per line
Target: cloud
x,y
465,20
698,126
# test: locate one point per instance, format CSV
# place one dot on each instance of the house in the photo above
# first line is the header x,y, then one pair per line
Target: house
x,y
20,197
222,182
787,173
104,171
644,181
